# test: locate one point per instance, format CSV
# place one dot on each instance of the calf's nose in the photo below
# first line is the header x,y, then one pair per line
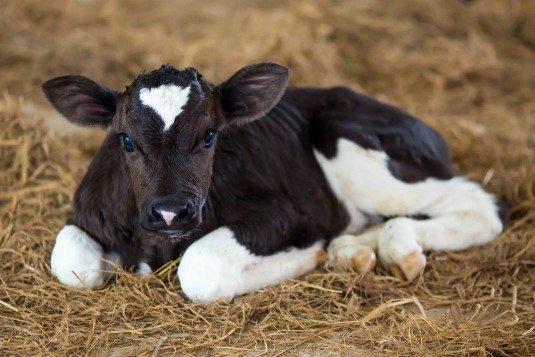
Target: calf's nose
x,y
170,216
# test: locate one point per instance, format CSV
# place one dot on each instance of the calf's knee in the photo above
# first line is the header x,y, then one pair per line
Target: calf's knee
x,y
207,277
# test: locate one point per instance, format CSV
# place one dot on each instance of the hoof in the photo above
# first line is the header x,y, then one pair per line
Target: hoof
x,y
409,267
344,251
364,260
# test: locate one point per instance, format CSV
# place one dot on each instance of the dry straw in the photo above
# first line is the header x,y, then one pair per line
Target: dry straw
x,y
465,66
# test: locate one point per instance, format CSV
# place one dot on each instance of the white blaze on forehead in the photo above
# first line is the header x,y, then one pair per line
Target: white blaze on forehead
x,y
166,100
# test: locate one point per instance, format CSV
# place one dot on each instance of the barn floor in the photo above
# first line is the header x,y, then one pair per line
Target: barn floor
x,y
466,67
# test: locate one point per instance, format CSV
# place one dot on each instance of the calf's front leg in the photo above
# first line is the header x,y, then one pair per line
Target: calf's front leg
x,y
79,261
218,267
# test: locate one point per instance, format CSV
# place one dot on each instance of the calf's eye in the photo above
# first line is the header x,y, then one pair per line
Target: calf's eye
x,y
127,143
209,138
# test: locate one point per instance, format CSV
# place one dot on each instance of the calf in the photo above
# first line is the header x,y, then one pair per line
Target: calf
x,y
250,180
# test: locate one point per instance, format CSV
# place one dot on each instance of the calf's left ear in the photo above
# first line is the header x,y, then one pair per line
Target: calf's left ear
x,y
252,92
81,100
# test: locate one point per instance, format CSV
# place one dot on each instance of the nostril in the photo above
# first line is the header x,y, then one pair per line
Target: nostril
x,y
186,211
155,216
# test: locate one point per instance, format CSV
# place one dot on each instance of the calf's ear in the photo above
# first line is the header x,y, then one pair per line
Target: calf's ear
x,y
252,92
81,100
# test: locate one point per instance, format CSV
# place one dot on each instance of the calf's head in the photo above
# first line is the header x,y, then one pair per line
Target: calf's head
x,y
166,124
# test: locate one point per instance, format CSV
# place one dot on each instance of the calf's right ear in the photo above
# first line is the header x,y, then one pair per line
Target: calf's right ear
x,y
81,100
252,91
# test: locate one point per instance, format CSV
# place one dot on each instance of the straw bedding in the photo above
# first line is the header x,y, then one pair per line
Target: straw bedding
x,y
466,67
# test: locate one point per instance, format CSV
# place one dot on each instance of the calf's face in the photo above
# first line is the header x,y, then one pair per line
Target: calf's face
x,y
166,124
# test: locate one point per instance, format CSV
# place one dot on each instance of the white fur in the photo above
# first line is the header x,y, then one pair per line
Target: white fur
x,y
143,269
361,180
217,267
462,213
78,261
167,100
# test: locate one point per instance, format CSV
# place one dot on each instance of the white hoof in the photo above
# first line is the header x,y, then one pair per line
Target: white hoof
x,y
79,261
347,251
399,250
412,265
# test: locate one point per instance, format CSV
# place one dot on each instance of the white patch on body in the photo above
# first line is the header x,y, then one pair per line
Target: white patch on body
x,y
167,100
461,213
362,182
143,269
168,217
217,267
79,261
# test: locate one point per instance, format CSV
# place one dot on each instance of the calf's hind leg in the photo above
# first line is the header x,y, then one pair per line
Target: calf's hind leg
x,y
461,213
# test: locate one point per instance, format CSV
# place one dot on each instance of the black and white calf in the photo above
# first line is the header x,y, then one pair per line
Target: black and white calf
x,y
252,180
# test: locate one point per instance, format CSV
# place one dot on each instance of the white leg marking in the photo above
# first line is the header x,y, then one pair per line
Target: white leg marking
x,y
462,213
167,100
217,267
78,261
143,269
